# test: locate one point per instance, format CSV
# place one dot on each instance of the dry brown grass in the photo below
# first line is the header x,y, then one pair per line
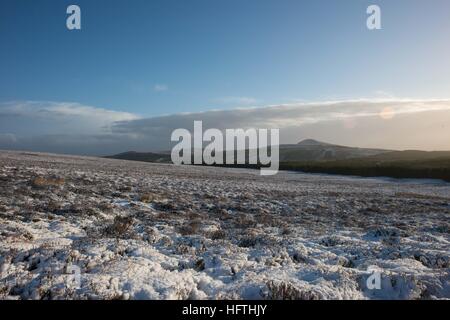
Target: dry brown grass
x,y
149,197
199,265
120,226
244,221
47,182
420,196
190,228
281,290
217,235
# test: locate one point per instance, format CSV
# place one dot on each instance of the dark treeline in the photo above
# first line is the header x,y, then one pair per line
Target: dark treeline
x,y
399,169
408,164
394,171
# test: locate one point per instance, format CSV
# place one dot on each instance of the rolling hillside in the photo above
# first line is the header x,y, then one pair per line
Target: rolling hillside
x,y
318,157
142,156
312,150
306,150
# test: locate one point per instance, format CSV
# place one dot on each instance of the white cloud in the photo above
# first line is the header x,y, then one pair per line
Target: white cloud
x,y
287,115
69,115
236,101
59,127
160,87
340,122
75,128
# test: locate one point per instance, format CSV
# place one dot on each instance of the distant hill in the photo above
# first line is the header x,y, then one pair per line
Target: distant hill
x,y
411,155
313,150
305,150
143,157
312,142
320,157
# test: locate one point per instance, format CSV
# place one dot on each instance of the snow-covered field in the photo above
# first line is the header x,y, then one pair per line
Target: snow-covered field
x,y
128,230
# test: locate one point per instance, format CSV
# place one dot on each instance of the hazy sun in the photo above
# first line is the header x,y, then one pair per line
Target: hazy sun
x,y
387,113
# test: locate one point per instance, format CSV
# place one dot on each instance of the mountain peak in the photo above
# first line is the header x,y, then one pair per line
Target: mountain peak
x,y
311,142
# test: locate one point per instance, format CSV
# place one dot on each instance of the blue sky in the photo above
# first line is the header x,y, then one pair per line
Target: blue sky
x,y
218,54
135,66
